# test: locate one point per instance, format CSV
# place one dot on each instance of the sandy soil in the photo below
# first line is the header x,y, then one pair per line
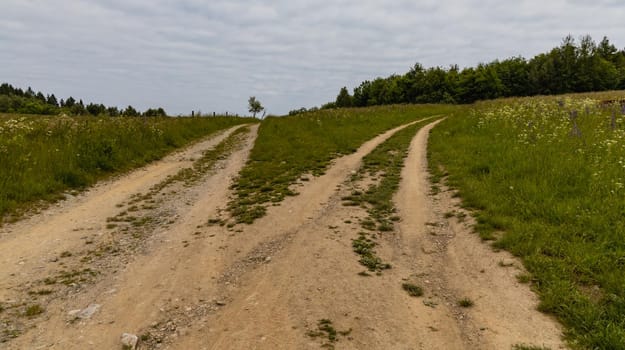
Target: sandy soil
x,y
185,284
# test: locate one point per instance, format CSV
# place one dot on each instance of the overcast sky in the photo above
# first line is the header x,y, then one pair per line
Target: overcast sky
x,y
211,55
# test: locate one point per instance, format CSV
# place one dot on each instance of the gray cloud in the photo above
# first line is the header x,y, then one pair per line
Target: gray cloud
x,y
213,54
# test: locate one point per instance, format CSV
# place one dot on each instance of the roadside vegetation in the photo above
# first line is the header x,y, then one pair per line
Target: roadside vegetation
x,y
291,148
545,178
42,157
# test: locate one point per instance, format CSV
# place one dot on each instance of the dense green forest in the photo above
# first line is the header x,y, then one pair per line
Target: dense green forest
x,y
572,67
16,100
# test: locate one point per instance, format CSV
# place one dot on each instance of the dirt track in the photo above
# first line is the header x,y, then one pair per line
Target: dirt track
x,y
183,284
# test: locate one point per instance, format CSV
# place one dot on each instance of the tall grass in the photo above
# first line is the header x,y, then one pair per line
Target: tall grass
x,y
546,177
289,147
41,157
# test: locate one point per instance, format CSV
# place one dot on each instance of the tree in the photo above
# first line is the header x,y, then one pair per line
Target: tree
x,y
51,100
96,109
131,112
156,112
343,99
70,102
254,106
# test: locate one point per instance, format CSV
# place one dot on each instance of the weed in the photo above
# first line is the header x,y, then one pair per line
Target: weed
x,y
461,216
524,278
326,329
363,246
528,347
435,189
368,224
385,227
33,310
216,221
41,292
465,302
412,289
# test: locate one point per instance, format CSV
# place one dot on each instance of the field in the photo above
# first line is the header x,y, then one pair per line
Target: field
x,y
43,156
545,178
288,148
434,226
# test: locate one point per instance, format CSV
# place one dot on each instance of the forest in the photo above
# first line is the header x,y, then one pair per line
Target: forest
x,y
571,67
16,100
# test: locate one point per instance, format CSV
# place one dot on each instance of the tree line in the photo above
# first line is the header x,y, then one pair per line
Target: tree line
x,y
571,67
16,100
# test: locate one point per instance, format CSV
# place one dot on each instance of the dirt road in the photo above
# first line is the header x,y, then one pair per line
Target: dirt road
x,y
158,269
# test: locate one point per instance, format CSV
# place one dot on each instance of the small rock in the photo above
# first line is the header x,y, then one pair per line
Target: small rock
x,y
220,303
268,259
506,262
129,341
74,313
87,312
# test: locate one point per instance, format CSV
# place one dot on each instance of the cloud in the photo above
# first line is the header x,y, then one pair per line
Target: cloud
x,y
213,54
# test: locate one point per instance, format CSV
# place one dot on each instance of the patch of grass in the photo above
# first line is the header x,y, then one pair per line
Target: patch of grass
x,y
73,277
465,302
461,216
363,246
33,310
368,224
412,289
44,156
288,147
41,292
326,329
529,347
524,278
547,173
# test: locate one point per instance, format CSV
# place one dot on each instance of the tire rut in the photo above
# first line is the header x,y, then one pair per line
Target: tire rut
x,y
183,210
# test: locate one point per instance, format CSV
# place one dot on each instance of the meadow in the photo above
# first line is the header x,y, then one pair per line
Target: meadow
x,y
292,148
42,157
545,178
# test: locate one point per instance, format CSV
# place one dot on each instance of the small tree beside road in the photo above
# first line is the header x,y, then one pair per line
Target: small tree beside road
x,y
254,106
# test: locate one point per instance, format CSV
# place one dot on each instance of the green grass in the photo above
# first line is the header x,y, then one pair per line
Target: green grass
x,y
364,246
550,190
43,156
289,147
412,289
528,347
325,329
465,302
33,310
